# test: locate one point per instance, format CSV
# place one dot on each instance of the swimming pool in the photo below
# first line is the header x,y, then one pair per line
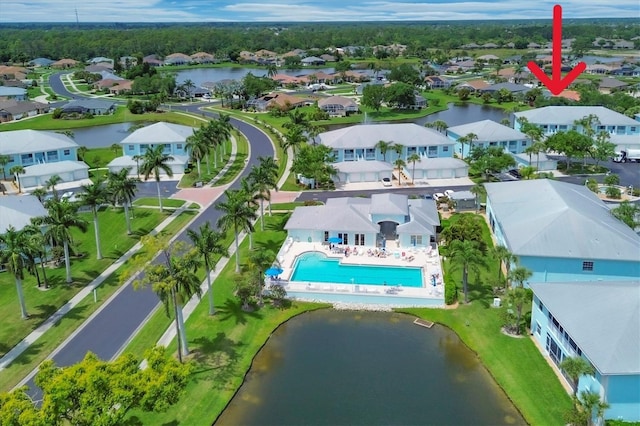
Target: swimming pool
x,y
317,267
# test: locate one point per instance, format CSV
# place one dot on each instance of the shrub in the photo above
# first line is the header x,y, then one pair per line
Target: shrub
x,y
278,293
450,292
57,113
614,192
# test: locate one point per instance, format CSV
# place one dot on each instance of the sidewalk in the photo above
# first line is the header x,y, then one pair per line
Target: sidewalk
x,y
10,356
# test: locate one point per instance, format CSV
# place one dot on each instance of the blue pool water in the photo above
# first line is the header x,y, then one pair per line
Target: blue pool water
x,y
316,267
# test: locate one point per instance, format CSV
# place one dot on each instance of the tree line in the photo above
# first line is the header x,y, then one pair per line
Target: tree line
x,y
24,42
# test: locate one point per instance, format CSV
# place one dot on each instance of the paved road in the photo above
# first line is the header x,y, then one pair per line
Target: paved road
x,y
108,331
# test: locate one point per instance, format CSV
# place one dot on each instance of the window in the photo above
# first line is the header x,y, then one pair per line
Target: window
x,y
370,154
524,143
538,328
66,152
130,147
326,236
445,148
493,143
540,305
432,151
632,129
348,154
359,239
416,240
587,265
345,238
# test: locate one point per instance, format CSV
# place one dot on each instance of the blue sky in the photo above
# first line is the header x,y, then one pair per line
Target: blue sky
x,y
304,10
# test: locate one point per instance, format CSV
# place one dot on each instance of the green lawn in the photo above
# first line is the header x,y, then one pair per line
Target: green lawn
x,y
153,202
285,206
122,114
41,304
239,162
191,177
38,351
222,346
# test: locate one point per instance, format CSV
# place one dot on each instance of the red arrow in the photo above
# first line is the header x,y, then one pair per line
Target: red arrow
x,y
556,84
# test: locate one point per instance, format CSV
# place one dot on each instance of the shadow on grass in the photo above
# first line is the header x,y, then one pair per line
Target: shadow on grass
x,y
269,245
233,309
73,314
277,222
218,356
29,354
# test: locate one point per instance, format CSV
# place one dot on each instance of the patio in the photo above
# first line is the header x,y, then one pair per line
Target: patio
x,y
427,260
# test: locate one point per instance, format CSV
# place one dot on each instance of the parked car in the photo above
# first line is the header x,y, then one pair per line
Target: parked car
x,y
438,196
67,195
386,181
515,173
448,193
428,196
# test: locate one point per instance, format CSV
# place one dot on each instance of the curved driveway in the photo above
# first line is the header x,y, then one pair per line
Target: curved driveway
x,y
106,333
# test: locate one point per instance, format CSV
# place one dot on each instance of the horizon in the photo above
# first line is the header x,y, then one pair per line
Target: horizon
x,y
310,11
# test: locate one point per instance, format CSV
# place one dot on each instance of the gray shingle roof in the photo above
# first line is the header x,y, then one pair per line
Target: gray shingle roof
x,y
90,103
17,210
569,114
549,218
368,135
159,133
363,166
28,141
389,204
606,326
488,131
439,163
55,168
424,218
331,218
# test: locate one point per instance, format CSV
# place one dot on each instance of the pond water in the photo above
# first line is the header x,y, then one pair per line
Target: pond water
x,y
101,136
202,75
365,368
463,114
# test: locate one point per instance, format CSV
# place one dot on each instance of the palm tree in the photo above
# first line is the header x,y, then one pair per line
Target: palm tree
x,y
237,217
470,138
115,148
174,281
82,151
210,133
462,140
397,148
197,147
208,243
122,190
412,159
17,171
51,184
270,168
61,217
439,125
39,193
506,258
36,251
13,244
399,164
271,70
519,275
576,367
592,405
189,85
249,191
153,161
137,159
4,160
263,177
260,261
294,138
479,190
94,195
465,255
518,298
383,146
224,130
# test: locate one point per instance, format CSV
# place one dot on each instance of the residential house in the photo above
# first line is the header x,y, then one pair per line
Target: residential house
x,y
121,87
490,46
540,161
153,61
608,85
461,66
15,93
490,134
312,60
172,136
279,100
295,52
17,211
99,68
284,79
89,106
561,232
533,45
513,88
599,322
437,82
14,110
65,63
488,58
338,105
42,154
328,58
177,59
372,222
203,58
41,62
322,77
475,86
359,144
554,119
100,60
128,61
8,73
265,54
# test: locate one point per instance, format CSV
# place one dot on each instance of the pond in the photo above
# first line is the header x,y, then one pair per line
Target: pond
x,y
101,136
466,113
202,75
367,368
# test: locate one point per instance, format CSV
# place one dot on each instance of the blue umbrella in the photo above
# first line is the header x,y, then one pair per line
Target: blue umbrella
x,y
274,271
335,240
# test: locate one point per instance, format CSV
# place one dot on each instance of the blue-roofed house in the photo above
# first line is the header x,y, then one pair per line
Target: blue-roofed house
x,y
16,93
358,144
489,134
599,322
41,62
172,136
554,119
561,232
89,106
42,154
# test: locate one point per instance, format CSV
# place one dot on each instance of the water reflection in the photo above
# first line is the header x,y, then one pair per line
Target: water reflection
x,y
202,75
102,136
330,367
467,113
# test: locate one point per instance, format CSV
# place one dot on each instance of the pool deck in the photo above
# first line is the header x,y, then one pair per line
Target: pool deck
x,y
391,295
